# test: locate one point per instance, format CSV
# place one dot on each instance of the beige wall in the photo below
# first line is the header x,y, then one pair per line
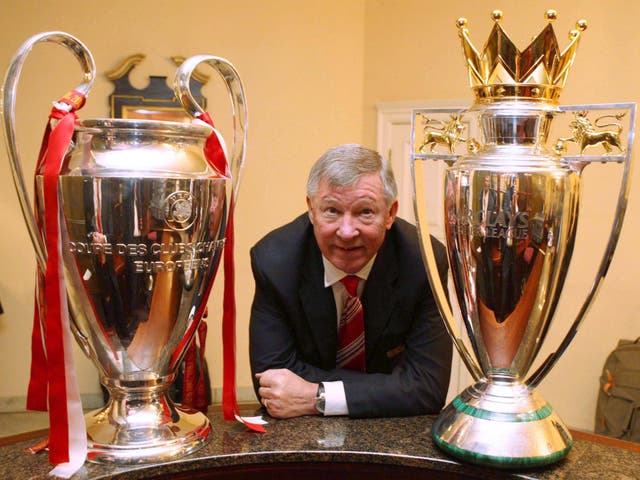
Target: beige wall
x,y
313,72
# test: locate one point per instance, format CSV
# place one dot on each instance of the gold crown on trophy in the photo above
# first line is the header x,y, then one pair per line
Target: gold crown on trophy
x,y
502,72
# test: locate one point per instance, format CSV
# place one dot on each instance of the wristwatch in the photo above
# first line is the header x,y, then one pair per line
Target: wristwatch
x,y
320,398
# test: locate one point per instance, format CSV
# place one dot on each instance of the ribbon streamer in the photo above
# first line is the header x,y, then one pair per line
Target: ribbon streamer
x,y
215,155
53,384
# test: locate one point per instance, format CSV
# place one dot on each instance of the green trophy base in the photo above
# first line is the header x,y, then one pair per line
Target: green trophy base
x,y
503,425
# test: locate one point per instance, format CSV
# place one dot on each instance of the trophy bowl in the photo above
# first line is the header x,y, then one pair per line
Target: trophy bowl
x,y
142,221
145,223
511,207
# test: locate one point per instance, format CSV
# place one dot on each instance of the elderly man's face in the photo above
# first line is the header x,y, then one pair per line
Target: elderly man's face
x,y
350,223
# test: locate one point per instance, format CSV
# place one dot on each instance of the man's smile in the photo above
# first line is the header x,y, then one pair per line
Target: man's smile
x,y
349,249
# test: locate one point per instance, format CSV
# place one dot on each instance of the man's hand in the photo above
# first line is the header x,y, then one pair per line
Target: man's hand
x,y
284,394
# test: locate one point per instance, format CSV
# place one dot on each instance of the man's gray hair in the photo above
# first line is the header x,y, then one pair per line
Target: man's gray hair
x,y
344,165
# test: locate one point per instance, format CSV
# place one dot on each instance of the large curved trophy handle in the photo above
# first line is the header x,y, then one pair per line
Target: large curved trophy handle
x,y
8,119
238,103
578,163
437,286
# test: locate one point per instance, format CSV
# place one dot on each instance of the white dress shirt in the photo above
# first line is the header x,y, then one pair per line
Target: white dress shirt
x,y
335,398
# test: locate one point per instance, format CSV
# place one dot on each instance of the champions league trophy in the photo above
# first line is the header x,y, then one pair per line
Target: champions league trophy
x,y
142,219
510,219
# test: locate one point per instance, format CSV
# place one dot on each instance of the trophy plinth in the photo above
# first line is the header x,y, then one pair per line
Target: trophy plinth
x,y
140,424
511,208
503,424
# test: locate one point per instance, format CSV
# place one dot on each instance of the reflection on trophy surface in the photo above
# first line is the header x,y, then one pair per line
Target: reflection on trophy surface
x,y
142,250
511,210
140,257
143,211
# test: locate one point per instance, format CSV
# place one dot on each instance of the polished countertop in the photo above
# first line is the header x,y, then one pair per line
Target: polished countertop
x,y
339,447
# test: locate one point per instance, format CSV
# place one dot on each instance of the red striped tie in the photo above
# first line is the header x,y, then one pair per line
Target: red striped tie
x,y
351,353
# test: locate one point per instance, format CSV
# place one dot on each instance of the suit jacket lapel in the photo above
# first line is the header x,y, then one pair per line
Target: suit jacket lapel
x,y
379,298
319,308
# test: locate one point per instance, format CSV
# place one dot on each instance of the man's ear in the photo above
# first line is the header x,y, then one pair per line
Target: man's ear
x,y
393,211
310,210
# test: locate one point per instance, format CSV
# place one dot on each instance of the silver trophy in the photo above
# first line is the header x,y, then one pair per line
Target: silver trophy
x,y
510,219
143,218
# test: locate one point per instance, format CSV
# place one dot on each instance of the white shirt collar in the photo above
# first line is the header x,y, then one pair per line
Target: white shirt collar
x,y
333,275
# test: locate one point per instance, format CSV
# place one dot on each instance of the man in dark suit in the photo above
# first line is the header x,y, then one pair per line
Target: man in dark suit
x,y
350,229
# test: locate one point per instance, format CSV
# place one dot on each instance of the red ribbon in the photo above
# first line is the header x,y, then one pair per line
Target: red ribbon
x,y
200,400
214,153
37,392
51,357
189,375
194,388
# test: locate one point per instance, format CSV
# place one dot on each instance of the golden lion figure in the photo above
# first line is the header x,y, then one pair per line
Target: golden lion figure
x,y
585,134
436,132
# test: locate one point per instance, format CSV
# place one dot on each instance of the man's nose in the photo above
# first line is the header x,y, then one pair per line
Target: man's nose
x,y
348,228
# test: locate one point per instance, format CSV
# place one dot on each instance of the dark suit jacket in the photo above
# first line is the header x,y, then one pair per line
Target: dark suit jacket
x,y
294,321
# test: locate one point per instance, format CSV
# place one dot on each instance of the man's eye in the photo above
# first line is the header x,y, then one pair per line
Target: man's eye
x,y
331,211
367,212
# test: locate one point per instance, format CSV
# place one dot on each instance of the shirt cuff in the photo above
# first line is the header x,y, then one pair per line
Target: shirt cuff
x,y
335,399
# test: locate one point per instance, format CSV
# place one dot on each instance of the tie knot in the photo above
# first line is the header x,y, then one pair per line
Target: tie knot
x,y
350,282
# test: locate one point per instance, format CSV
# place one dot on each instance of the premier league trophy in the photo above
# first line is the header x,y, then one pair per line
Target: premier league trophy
x,y
142,216
511,206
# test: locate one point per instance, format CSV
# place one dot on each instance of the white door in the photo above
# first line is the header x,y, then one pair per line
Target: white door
x,y
394,143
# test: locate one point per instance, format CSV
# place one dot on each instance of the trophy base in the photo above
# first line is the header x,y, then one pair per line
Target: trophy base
x,y
503,425
125,432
